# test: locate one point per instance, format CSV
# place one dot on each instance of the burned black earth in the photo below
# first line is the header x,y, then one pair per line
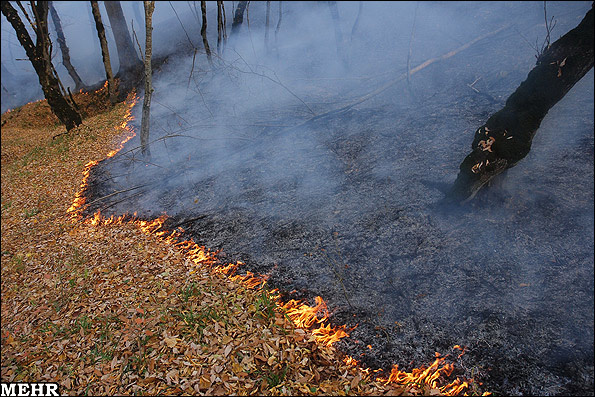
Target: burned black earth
x,y
349,206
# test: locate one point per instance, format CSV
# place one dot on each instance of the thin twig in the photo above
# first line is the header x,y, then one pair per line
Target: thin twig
x,y
278,81
117,192
119,201
182,25
140,50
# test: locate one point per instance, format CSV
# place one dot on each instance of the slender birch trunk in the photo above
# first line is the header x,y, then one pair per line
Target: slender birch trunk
x,y
146,114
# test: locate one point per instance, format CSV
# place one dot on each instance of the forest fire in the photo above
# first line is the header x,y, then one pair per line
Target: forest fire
x,y
432,376
79,202
314,318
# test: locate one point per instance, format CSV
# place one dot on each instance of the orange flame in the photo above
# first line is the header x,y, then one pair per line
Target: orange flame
x,y
301,314
430,376
78,205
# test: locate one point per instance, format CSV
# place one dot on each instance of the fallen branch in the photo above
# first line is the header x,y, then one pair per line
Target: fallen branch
x,y
118,192
119,201
402,77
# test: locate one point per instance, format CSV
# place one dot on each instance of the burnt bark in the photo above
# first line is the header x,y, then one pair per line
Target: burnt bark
x,y
238,17
203,30
506,137
145,122
109,75
221,34
40,56
130,64
64,49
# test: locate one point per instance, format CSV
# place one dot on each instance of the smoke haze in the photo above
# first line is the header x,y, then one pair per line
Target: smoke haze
x,y
345,206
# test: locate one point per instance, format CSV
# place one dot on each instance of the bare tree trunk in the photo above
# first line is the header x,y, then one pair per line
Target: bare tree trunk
x,y
506,137
109,74
40,56
238,17
145,122
266,27
129,62
64,49
203,30
96,47
219,27
224,25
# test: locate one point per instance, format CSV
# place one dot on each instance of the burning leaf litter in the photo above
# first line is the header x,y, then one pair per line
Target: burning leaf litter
x,y
120,306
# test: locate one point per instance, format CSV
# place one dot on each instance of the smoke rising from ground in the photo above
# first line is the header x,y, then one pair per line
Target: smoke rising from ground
x,y
346,206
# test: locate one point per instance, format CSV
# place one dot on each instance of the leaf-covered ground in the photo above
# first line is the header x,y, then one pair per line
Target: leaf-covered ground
x,y
113,310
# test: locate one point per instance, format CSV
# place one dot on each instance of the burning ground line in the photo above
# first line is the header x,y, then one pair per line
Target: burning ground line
x,y
313,318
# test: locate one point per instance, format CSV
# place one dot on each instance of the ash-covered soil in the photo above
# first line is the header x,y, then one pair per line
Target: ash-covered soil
x,y
349,208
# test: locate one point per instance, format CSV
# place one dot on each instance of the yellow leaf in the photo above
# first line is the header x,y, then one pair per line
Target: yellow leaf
x,y
170,342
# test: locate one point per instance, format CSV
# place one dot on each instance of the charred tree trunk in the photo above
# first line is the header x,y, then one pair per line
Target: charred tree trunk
x,y
224,25
203,30
238,17
506,137
109,75
220,26
129,62
40,57
64,49
145,122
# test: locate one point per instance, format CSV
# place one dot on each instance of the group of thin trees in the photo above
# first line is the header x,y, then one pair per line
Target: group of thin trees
x,y
39,51
38,44
499,144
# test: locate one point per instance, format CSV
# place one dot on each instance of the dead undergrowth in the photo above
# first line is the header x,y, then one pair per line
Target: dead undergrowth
x,y
110,310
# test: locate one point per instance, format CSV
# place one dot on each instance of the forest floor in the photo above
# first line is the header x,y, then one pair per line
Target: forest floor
x,y
114,310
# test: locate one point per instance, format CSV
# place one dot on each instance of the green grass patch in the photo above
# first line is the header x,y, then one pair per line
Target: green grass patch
x,y
82,322
265,306
31,212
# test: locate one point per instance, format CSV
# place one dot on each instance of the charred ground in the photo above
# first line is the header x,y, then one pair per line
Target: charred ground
x,y
348,207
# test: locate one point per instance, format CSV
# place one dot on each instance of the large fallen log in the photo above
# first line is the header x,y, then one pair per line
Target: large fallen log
x,y
506,137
